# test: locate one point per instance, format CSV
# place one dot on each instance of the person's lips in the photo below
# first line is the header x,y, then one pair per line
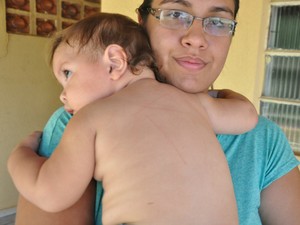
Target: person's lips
x,y
190,63
69,110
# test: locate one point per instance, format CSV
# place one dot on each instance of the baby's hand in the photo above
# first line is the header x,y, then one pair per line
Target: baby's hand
x,y
23,153
32,141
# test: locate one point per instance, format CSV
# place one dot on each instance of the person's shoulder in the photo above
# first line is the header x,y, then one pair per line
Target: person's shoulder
x,y
60,114
53,131
59,118
266,138
264,129
266,133
265,124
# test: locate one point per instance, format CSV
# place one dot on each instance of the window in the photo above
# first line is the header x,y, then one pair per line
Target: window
x,y
42,17
280,99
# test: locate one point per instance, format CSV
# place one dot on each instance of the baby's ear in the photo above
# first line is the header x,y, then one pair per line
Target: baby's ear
x,y
116,59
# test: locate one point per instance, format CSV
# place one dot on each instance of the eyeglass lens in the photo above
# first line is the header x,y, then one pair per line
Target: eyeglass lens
x,y
174,19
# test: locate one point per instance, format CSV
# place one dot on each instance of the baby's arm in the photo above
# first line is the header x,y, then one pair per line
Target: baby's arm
x,y
58,182
229,112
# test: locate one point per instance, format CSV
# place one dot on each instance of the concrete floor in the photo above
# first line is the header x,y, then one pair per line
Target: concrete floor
x,y
7,220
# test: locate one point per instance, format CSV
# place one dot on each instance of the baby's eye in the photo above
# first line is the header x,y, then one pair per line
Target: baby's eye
x,y
67,73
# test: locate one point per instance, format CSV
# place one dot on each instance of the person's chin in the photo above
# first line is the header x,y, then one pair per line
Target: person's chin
x,y
189,86
186,83
192,84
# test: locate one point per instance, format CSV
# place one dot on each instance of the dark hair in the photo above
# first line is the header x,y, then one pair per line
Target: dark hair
x,y
147,4
93,34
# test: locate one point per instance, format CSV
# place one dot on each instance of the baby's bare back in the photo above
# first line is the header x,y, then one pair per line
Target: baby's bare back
x,y
159,160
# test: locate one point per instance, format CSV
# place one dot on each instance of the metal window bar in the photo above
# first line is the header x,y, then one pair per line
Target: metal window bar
x,y
282,77
280,100
287,117
284,31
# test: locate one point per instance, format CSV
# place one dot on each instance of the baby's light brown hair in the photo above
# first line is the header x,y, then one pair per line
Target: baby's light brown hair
x,y
93,34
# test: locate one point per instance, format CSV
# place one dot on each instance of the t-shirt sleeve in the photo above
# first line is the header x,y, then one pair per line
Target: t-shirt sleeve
x,y
280,156
53,131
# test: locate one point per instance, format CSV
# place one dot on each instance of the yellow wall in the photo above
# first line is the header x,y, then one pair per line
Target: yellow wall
x,y
29,93
243,71
126,7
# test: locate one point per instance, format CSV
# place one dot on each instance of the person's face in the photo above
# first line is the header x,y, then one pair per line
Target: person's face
x,y
83,80
190,59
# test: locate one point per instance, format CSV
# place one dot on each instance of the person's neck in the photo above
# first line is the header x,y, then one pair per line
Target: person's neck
x,y
146,73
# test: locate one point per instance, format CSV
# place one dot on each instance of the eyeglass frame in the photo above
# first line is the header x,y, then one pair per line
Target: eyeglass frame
x,y
153,12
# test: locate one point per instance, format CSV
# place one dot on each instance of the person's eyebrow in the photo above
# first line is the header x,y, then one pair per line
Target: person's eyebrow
x,y
188,4
182,2
222,9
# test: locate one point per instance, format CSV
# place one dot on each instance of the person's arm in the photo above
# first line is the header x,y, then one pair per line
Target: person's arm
x,y
280,195
229,112
280,179
82,212
280,202
46,182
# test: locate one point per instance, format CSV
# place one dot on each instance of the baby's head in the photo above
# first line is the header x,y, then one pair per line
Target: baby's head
x,y
93,34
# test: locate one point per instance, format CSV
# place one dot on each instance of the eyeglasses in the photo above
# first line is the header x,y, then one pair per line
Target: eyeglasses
x,y
176,19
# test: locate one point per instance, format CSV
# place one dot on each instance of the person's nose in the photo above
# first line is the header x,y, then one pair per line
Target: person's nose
x,y
195,36
63,97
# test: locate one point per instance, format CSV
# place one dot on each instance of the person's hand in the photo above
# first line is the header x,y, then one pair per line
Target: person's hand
x,y
32,141
21,158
